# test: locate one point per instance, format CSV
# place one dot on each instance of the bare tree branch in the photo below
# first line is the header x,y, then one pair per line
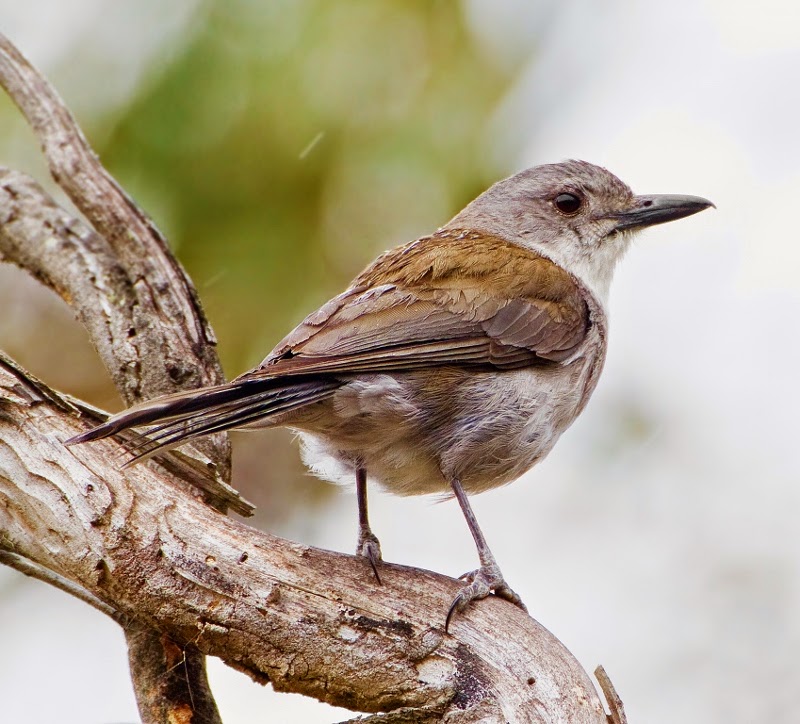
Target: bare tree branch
x,y
140,308
167,675
172,678
66,255
32,570
306,620
167,343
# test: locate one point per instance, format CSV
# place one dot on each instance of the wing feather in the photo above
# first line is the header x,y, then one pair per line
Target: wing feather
x,y
456,297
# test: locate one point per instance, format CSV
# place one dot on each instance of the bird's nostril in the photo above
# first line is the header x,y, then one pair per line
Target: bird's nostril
x,y
647,203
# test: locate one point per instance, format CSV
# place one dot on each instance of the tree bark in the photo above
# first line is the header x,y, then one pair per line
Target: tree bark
x,y
306,620
182,578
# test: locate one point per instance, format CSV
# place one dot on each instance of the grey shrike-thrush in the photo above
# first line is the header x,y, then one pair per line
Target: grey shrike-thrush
x,y
451,364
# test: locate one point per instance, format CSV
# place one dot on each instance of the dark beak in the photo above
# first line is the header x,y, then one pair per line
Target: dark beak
x,y
658,209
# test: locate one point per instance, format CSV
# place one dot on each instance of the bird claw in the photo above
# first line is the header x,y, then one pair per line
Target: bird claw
x,y
370,548
480,584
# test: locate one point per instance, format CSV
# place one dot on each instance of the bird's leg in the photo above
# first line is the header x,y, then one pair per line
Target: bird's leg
x,y
488,577
368,544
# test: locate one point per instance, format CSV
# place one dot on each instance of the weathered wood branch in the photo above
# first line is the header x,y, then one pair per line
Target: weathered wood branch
x,y
183,579
173,678
157,338
306,620
66,255
127,289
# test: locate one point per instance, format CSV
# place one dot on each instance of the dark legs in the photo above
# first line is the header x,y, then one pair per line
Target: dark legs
x,y
368,545
480,583
488,577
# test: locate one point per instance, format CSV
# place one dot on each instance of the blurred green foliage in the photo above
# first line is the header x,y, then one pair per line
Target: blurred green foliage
x,y
291,141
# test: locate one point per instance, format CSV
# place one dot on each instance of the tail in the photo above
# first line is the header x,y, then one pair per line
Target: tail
x,y
188,415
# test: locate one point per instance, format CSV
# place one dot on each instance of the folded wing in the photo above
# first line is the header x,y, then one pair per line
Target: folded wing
x,y
460,298
454,298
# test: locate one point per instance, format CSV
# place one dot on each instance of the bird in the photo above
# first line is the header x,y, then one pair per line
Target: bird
x,y
452,364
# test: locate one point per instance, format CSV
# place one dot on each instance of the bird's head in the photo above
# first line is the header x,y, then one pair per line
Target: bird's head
x,y
577,214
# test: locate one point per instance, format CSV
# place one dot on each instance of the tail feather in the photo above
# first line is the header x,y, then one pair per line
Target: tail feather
x,y
187,415
259,407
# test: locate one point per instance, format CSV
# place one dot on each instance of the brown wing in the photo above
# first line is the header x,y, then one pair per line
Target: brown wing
x,y
456,297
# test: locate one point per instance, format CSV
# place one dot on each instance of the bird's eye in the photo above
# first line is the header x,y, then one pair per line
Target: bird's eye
x,y
568,204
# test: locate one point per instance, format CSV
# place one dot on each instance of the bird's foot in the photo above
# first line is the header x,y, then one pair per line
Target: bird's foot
x,y
480,584
370,548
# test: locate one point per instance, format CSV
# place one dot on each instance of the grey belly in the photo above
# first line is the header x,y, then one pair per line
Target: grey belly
x,y
414,432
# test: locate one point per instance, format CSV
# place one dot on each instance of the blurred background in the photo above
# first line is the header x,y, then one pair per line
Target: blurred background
x,y
281,145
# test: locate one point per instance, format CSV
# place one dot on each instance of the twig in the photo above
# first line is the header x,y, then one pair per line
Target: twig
x,y
617,715
28,568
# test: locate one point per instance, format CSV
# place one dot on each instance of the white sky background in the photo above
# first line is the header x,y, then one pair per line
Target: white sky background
x,y
674,560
